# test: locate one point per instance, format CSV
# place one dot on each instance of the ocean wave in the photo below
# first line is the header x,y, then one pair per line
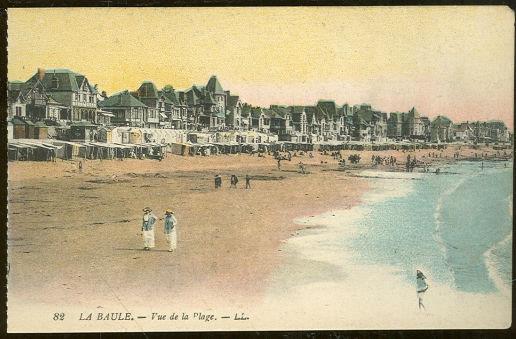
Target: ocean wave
x,y
443,246
493,266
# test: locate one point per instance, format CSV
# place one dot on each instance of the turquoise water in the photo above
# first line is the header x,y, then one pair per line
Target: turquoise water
x,y
456,227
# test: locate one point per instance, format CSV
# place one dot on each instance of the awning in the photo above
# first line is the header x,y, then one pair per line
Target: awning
x,y
106,114
163,115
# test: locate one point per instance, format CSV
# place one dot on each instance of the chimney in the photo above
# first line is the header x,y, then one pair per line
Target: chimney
x,y
41,73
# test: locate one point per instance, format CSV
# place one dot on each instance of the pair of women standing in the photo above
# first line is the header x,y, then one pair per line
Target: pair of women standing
x,y
169,228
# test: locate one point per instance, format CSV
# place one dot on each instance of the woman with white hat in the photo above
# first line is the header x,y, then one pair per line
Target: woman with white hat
x,y
149,219
170,229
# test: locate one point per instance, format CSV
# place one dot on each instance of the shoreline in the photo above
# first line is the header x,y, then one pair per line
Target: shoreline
x,y
441,300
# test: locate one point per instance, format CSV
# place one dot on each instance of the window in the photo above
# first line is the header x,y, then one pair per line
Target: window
x,y
77,97
92,99
18,111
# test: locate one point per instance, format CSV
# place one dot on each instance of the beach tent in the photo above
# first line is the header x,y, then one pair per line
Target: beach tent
x,y
180,148
136,136
10,130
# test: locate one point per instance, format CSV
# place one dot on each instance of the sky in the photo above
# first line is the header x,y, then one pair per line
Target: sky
x,y
453,61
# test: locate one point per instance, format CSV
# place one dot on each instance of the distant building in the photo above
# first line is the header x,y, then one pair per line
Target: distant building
x,y
126,109
69,92
148,94
414,127
441,129
369,125
395,125
16,103
280,121
234,111
299,119
178,109
463,132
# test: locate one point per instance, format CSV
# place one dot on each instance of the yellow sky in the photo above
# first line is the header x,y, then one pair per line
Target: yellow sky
x,y
456,61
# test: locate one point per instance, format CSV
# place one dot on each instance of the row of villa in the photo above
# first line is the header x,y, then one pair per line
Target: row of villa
x,y
60,97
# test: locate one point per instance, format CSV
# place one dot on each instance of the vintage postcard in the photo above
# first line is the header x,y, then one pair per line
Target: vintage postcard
x,y
303,168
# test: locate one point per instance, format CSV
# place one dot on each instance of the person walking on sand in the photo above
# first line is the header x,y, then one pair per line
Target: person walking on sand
x,y
149,219
234,181
279,164
247,181
421,288
170,230
218,181
302,167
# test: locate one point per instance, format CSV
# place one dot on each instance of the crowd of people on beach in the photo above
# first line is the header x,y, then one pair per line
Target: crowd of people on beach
x,y
378,160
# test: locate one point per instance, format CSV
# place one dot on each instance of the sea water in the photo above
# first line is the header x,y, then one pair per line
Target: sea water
x,y
456,227
356,268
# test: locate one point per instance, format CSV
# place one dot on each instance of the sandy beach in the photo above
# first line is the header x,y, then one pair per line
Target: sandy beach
x,y
74,236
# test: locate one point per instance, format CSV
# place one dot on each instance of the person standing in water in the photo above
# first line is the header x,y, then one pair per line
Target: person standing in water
x,y
421,288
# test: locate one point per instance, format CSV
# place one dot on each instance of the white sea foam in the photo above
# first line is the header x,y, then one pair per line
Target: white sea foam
x,y
339,225
492,267
438,222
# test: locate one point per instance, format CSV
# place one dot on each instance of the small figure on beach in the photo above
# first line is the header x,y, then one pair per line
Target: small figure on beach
x,y
302,167
234,181
170,223
218,181
421,288
149,219
80,166
247,181
279,164
438,170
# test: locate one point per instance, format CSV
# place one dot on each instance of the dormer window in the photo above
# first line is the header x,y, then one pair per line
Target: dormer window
x,y
55,82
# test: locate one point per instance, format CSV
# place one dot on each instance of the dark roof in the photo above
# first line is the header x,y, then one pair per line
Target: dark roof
x,y
327,107
171,94
297,109
66,79
256,112
16,120
122,99
52,101
214,86
311,111
165,98
13,95
442,120
397,116
272,113
15,85
148,90
246,109
233,100
282,111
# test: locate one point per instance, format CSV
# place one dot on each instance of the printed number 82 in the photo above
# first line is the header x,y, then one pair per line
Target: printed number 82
x,y
58,316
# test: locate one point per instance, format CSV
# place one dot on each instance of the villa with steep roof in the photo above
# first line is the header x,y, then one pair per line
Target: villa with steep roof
x,y
126,109
72,91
